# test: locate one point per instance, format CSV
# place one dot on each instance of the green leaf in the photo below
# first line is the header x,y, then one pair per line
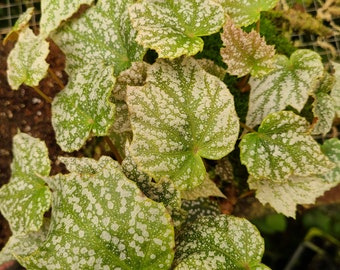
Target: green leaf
x,y
173,28
323,109
126,230
101,37
335,94
210,67
20,24
282,147
290,83
25,199
53,12
222,242
245,53
331,148
207,189
83,109
181,115
23,244
284,196
246,12
26,62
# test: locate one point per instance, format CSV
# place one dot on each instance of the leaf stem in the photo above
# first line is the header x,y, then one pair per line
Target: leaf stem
x,y
246,127
113,149
55,78
42,94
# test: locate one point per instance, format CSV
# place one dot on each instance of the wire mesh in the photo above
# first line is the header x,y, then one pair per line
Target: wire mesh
x,y
10,10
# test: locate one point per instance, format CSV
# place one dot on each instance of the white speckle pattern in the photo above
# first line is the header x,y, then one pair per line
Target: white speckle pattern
x,y
26,62
25,199
245,53
219,242
290,83
323,109
246,12
180,115
335,94
117,240
173,28
331,148
283,147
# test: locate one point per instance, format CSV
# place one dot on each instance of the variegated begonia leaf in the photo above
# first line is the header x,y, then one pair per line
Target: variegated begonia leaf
x,y
101,220
83,108
173,28
246,12
207,189
53,12
21,23
26,62
284,196
331,148
23,244
181,115
25,199
121,132
210,67
199,208
282,147
290,83
101,37
219,242
245,53
335,94
323,107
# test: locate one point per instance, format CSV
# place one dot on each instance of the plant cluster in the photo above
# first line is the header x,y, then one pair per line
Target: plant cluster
x,y
167,121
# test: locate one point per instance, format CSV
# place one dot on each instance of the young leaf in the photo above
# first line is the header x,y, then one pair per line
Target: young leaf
x,y
245,53
219,242
335,94
19,25
181,115
246,12
282,147
290,83
331,148
53,12
26,62
173,28
101,37
74,115
25,199
126,229
207,189
284,196
23,244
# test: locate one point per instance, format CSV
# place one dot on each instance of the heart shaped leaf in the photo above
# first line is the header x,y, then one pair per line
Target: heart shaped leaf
x,y
284,196
53,12
245,53
75,117
246,12
176,28
181,115
290,83
282,147
26,62
127,230
25,199
219,242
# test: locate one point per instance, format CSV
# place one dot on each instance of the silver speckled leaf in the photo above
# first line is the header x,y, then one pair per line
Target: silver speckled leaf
x,y
335,94
282,147
290,83
101,220
25,199
219,242
331,148
173,28
181,115
26,62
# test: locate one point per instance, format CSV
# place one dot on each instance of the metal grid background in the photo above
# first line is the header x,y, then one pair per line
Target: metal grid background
x,y
10,10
